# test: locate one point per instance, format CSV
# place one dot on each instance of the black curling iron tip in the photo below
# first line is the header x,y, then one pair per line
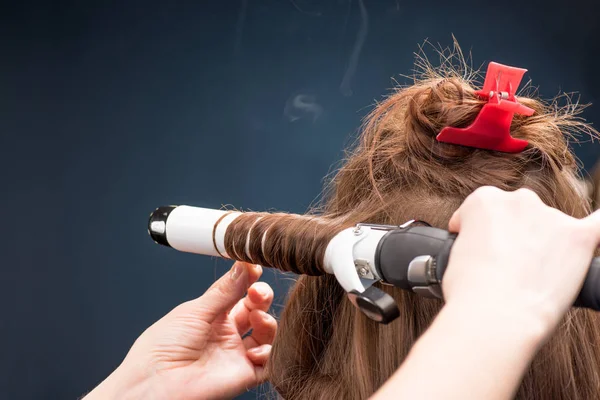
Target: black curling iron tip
x,y
157,224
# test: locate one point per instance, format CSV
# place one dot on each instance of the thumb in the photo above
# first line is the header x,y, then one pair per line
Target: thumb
x,y
224,293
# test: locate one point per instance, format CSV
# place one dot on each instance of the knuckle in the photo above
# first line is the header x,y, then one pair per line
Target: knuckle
x,y
265,328
272,331
526,195
273,321
487,192
475,198
483,197
216,292
268,320
583,234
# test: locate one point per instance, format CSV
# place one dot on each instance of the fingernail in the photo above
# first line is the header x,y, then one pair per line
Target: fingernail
x,y
238,268
259,350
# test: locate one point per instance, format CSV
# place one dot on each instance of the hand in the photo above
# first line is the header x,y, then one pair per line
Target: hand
x,y
197,351
516,255
516,267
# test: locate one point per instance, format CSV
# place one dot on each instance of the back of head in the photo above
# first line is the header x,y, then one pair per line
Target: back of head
x,y
325,348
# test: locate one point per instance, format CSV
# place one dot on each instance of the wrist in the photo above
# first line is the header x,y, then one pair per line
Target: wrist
x,y
507,321
473,349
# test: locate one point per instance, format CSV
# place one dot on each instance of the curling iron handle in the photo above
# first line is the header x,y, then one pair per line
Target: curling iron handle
x,y
589,296
399,247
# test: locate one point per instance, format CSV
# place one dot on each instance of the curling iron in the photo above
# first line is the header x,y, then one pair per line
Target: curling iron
x,y
412,256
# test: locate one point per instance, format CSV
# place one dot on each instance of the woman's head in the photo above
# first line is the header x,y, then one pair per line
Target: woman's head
x,y
398,162
325,348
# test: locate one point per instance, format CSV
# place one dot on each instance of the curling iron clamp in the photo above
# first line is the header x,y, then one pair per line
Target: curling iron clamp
x,y
412,256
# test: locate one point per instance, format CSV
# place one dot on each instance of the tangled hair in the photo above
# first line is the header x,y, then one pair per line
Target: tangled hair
x,y
327,349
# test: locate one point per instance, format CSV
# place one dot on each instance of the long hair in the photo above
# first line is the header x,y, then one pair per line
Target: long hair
x,y
325,348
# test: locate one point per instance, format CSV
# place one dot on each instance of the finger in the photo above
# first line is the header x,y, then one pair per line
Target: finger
x,y
259,297
264,328
482,195
250,342
454,223
254,273
225,292
259,355
261,374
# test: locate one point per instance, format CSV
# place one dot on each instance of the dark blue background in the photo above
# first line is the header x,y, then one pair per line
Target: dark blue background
x,y
108,110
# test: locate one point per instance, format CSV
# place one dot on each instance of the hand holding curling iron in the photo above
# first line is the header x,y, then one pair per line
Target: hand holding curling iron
x,y
500,233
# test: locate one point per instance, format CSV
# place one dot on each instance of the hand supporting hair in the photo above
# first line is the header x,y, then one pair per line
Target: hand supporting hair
x,y
201,349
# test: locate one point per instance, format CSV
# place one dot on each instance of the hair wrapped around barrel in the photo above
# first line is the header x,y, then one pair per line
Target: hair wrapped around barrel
x,y
288,242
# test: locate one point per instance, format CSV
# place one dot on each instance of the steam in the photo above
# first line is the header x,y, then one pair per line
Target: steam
x,y
302,105
345,87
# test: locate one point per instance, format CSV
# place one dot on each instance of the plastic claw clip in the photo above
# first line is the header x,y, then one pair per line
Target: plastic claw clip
x,y
491,128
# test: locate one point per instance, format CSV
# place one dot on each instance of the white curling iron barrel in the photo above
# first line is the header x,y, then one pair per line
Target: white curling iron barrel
x,y
190,229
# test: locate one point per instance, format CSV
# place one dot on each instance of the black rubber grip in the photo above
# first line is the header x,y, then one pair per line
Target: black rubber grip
x,y
589,296
399,247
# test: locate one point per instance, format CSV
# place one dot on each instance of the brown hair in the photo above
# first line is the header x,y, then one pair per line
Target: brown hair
x,y
592,186
325,348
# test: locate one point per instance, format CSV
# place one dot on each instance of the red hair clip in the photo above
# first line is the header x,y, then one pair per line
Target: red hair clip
x,y
491,128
